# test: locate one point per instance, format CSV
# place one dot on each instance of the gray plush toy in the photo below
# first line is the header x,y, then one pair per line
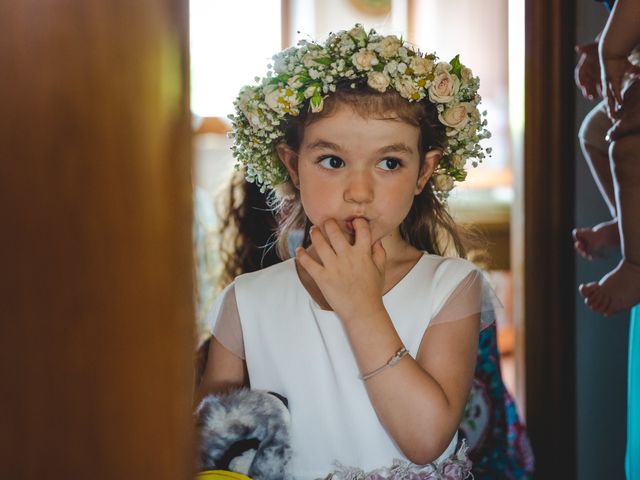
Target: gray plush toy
x,y
245,431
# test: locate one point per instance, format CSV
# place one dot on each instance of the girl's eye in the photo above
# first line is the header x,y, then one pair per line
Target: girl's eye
x,y
389,164
331,162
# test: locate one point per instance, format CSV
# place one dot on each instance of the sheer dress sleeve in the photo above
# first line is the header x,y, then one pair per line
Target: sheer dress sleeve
x,y
224,321
472,295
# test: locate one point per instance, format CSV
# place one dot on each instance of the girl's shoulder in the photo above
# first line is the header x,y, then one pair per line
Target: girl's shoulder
x,y
449,267
277,270
268,280
444,274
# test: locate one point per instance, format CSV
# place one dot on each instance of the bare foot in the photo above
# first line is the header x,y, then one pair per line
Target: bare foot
x,y
617,290
598,241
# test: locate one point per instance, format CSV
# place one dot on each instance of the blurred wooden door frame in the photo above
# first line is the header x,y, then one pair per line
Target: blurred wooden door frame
x,y
543,258
97,329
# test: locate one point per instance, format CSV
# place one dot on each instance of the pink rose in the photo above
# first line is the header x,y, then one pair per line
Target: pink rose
x,y
456,117
444,87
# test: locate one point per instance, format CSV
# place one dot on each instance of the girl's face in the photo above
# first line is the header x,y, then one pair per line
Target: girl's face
x,y
349,166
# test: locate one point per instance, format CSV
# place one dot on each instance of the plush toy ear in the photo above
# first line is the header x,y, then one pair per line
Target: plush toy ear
x,y
282,398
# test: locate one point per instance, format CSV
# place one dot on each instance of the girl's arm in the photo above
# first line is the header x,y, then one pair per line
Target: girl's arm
x,y
225,368
224,371
419,401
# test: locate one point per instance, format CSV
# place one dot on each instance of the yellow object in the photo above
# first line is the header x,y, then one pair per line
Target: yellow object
x,y
220,475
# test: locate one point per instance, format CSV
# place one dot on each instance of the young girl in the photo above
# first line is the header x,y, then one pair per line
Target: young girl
x,y
369,331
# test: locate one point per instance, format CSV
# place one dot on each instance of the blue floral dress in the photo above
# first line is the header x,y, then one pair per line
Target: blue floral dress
x,y
498,442
632,461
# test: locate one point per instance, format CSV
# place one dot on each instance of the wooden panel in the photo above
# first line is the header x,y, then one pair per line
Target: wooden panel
x,y
97,322
547,263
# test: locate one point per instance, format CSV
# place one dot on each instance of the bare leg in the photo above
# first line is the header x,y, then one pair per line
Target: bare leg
x,y
595,242
620,288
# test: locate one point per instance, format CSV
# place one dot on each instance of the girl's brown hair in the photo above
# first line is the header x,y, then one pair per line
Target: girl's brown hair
x,y
246,230
428,225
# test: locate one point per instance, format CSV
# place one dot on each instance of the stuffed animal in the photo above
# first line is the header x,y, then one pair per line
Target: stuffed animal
x,y
245,431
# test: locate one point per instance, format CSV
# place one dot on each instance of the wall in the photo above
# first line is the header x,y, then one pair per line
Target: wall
x,y
601,343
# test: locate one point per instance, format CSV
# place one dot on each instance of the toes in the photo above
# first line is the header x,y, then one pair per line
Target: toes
x,y
586,290
601,301
581,248
581,244
595,298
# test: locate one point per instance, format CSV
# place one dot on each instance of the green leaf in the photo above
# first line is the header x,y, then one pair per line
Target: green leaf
x,y
316,99
456,66
323,60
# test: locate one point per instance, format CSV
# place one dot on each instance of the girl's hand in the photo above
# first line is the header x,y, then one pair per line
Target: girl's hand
x,y
351,277
612,74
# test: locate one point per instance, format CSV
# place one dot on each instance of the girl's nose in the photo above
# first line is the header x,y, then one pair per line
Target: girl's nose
x,y
359,189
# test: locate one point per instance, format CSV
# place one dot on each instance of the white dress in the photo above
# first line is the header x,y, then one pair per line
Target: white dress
x,y
293,347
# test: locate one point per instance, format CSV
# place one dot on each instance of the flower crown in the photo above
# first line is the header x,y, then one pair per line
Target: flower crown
x,y
303,76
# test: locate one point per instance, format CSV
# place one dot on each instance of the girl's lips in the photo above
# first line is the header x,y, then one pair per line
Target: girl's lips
x,y
349,223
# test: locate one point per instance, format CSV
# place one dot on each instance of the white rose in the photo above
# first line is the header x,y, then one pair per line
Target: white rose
x,y
254,121
391,68
389,46
458,161
466,74
271,95
246,94
364,59
378,81
358,33
295,82
443,182
442,67
421,66
309,91
455,117
444,87
406,88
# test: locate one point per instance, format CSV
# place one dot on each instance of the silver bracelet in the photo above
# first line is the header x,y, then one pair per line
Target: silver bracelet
x,y
392,361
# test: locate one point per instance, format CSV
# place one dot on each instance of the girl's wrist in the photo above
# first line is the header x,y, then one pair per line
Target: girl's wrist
x,y
366,312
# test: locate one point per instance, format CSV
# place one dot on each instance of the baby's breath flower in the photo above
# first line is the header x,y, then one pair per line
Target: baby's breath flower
x,y
358,33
